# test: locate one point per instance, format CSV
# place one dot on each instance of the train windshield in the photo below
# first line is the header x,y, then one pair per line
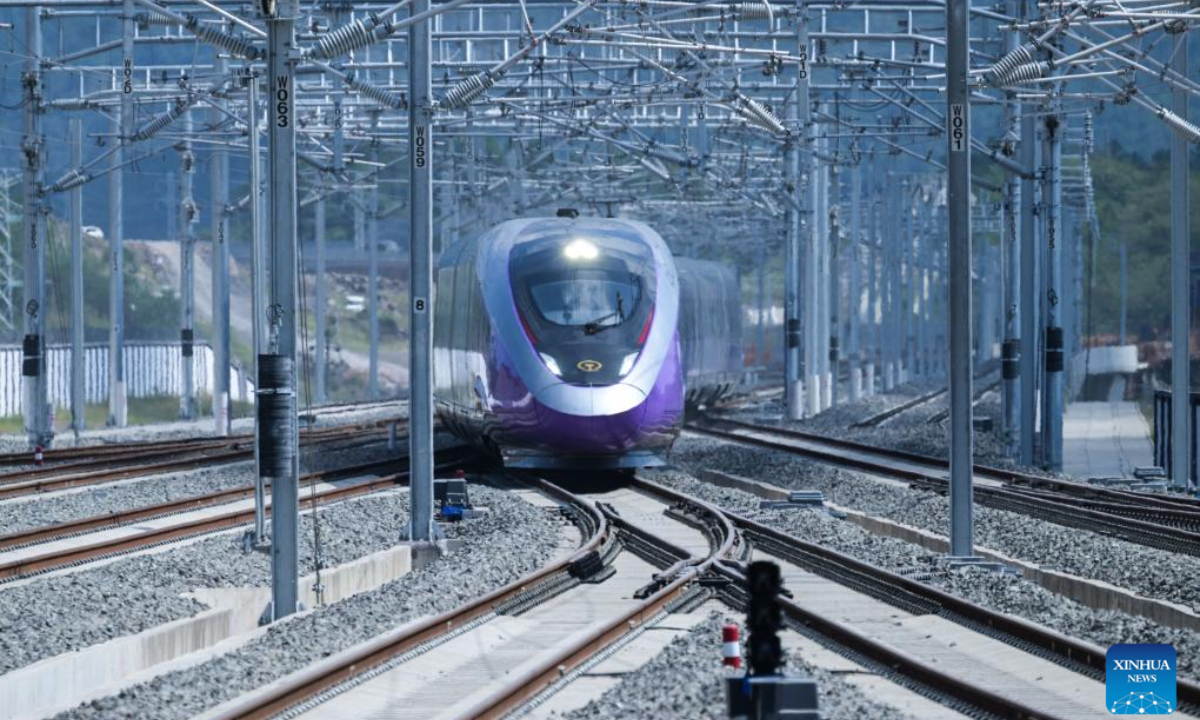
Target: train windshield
x,y
586,301
589,300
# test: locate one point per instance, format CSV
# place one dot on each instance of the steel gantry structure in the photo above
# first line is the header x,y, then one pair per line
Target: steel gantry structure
x,y
827,143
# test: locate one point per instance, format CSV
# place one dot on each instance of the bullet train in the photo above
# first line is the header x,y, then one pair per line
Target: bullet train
x,y
574,342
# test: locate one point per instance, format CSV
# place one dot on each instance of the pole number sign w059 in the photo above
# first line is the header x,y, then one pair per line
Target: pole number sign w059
x,y
956,126
419,145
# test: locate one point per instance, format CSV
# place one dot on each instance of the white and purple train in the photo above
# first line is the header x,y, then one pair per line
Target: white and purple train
x,y
578,342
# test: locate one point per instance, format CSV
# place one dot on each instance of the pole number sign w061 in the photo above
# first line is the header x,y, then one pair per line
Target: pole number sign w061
x,y
956,126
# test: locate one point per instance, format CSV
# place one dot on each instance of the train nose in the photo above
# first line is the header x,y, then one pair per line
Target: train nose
x,y
602,418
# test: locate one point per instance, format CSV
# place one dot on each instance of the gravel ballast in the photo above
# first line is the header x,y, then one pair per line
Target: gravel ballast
x,y
910,431
514,539
1147,571
1004,593
38,511
687,680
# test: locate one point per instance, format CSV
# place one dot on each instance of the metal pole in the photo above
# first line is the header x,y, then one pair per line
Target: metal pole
x,y
257,287
319,348
910,282
187,275
855,296
1052,395
33,368
888,287
282,293
834,291
373,273
78,399
420,351
1026,316
958,141
117,411
1180,276
1010,352
219,183
872,344
1124,293
793,257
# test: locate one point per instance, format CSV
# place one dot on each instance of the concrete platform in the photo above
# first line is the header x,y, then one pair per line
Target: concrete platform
x,y
1102,439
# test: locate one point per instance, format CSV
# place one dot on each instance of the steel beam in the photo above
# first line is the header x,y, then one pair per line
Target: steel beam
x,y
219,222
958,198
319,346
420,349
1052,394
1180,292
854,310
34,365
187,274
282,55
78,359
117,401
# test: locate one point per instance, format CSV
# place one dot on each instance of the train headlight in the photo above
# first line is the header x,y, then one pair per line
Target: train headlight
x,y
627,364
551,364
581,250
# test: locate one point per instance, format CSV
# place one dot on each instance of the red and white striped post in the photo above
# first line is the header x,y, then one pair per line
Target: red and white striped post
x,y
731,646
38,457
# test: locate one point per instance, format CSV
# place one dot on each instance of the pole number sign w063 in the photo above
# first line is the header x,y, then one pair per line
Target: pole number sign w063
x,y
956,127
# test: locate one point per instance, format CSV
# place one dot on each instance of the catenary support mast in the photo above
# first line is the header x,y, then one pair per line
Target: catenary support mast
x,y
420,349
958,198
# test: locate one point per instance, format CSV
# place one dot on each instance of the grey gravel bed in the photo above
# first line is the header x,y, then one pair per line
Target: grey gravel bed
x,y
687,680
514,539
910,431
1004,593
24,513
1150,572
203,428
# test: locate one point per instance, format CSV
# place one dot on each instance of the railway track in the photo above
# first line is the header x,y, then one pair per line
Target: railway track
x,y
357,682
1171,524
175,457
77,554
150,447
880,417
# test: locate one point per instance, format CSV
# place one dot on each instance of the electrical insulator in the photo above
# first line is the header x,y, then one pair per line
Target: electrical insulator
x,y
375,93
1089,134
146,20
996,75
231,44
72,178
465,92
1190,132
754,11
1024,73
155,125
351,37
753,111
76,103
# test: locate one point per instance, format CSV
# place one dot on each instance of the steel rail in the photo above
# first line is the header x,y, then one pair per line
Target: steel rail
x,y
556,668
46,562
903,592
316,679
70,528
1008,476
76,474
929,472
